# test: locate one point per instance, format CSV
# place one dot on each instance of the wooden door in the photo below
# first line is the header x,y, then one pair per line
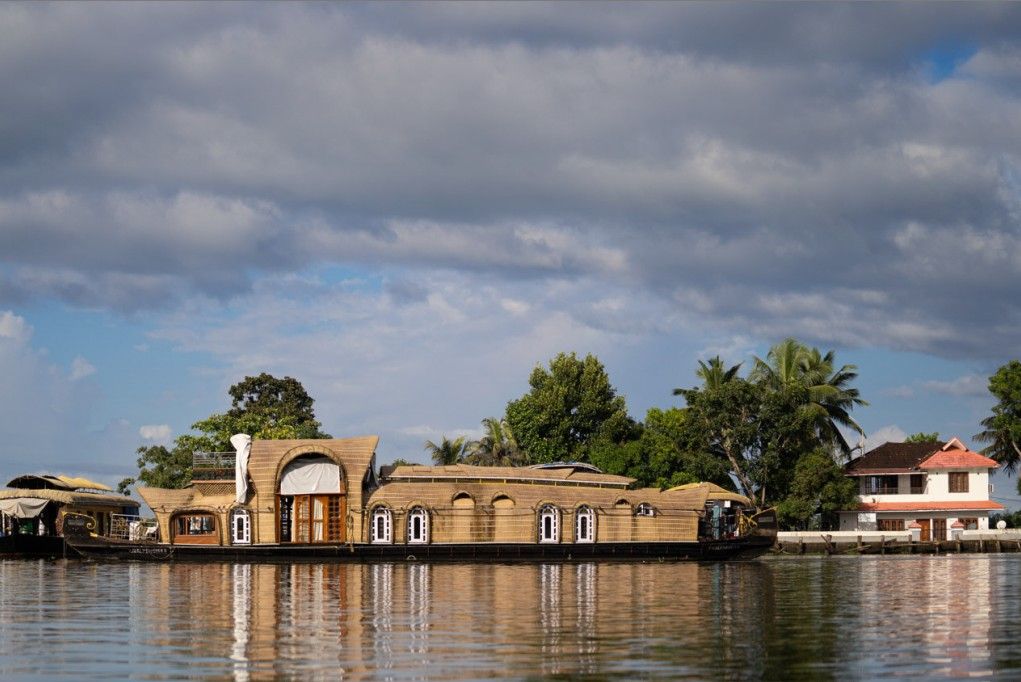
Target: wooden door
x,y
939,529
301,518
924,523
336,518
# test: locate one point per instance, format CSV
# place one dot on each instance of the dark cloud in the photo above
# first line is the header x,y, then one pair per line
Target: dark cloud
x,y
843,171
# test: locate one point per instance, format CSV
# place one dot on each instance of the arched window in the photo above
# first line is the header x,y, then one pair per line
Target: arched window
x,y
549,524
418,526
240,527
584,525
645,509
463,500
382,526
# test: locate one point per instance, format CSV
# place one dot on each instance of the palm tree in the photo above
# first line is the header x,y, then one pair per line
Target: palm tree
x,y
830,398
497,447
447,452
712,374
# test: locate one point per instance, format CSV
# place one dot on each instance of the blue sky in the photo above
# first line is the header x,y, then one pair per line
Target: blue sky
x,y
407,207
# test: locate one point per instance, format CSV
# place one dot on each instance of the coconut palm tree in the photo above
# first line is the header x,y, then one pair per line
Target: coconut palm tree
x,y
497,447
447,451
791,365
713,375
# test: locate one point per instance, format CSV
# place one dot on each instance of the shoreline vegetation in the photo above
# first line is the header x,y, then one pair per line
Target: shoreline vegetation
x,y
775,433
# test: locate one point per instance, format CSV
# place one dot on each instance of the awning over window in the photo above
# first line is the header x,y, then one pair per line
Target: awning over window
x,y
310,476
23,507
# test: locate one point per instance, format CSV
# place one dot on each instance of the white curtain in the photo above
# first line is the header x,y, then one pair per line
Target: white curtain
x,y
23,507
311,476
242,443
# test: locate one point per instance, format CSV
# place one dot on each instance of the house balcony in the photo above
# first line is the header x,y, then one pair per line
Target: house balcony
x,y
213,466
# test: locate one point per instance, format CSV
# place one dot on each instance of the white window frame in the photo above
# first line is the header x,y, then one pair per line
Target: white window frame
x,y
548,511
585,513
645,509
245,536
381,533
423,515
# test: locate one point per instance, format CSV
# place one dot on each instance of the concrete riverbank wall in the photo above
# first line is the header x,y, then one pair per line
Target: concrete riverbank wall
x,y
874,542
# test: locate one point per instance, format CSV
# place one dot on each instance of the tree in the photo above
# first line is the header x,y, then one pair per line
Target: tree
x,y
819,486
263,407
497,447
764,427
276,403
722,421
1003,427
713,374
922,437
569,406
660,456
829,398
447,452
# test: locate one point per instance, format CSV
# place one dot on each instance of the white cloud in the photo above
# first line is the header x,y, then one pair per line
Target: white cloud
x,y
81,368
899,392
155,432
14,327
972,385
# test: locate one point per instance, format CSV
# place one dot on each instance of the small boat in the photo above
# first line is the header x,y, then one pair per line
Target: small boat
x,y
36,509
319,500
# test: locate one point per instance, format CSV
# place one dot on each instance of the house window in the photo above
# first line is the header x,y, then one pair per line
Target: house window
x,y
970,523
381,526
645,509
890,524
585,525
917,484
879,485
241,527
196,524
549,524
418,526
958,481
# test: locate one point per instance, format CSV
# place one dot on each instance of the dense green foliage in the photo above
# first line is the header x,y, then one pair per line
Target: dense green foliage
x,y
1002,429
263,407
817,487
569,407
922,437
446,451
497,447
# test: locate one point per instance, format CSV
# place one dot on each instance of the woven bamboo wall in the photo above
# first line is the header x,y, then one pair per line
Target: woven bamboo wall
x,y
509,512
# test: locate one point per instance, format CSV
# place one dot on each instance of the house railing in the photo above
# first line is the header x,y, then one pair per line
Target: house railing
x,y
212,466
134,528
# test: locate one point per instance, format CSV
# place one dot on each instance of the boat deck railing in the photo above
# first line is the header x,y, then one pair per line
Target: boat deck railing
x,y
134,528
212,466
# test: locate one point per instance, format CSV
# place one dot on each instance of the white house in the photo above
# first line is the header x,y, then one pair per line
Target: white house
x,y
933,485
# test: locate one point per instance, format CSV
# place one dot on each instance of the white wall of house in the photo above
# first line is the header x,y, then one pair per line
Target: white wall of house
x,y
868,521
936,488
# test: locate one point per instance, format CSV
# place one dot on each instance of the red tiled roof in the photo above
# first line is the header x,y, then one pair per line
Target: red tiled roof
x,y
957,459
969,505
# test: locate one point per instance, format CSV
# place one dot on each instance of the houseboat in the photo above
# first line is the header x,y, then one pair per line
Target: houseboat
x,y
323,500
35,507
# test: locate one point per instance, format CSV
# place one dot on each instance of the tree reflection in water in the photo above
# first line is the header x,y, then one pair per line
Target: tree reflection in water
x,y
807,618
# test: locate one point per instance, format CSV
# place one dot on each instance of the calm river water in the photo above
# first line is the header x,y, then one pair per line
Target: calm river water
x,y
775,618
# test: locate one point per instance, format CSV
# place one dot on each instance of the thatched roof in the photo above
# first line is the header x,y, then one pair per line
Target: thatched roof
x,y
466,473
713,492
70,497
59,482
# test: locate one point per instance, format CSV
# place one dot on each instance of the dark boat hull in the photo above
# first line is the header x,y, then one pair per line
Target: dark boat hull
x,y
716,550
31,546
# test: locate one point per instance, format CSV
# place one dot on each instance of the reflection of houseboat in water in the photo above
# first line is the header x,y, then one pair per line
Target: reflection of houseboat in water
x,y
34,508
321,499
